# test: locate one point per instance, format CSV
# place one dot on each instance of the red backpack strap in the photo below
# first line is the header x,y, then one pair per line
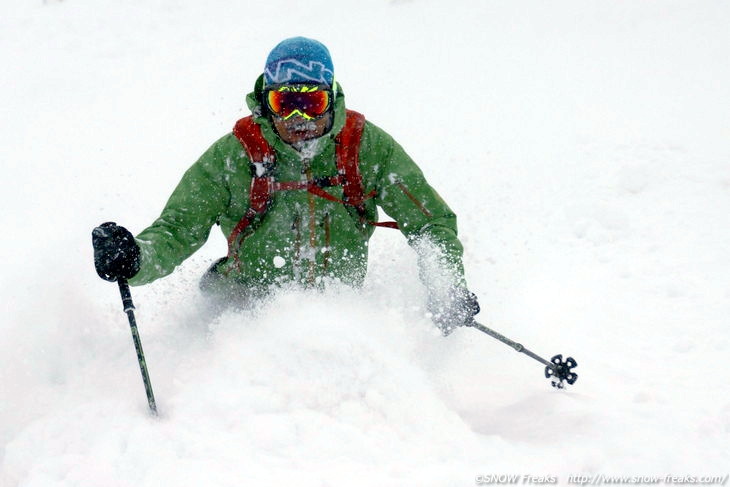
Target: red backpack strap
x,y
262,158
347,150
260,153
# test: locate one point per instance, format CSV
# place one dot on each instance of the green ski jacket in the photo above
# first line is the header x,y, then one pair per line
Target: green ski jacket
x,y
302,238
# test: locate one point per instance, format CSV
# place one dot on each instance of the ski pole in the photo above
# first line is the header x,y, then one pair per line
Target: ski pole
x,y
558,371
129,309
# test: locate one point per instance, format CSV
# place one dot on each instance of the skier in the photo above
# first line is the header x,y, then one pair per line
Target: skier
x,y
295,188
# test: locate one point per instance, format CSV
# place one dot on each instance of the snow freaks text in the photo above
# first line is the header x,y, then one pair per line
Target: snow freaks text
x,y
601,479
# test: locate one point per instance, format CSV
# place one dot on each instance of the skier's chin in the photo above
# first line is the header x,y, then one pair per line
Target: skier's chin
x,y
298,130
301,135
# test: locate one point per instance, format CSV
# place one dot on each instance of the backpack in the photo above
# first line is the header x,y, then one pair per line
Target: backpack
x,y
263,184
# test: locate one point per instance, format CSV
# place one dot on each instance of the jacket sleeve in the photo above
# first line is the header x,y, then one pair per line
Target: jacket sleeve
x,y
184,225
422,215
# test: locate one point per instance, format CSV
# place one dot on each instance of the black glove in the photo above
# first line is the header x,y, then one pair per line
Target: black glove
x,y
454,309
116,254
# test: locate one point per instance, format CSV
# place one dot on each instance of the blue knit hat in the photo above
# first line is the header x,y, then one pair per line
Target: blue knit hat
x,y
299,60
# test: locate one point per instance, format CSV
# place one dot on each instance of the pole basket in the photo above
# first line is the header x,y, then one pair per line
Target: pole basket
x,y
560,373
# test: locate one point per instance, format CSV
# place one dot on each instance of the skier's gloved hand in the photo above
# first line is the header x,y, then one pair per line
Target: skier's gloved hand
x,y
116,254
455,308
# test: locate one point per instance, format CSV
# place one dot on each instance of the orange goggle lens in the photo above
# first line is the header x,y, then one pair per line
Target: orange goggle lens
x,y
309,104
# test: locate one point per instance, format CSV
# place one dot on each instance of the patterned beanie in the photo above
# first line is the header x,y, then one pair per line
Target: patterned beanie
x,y
299,60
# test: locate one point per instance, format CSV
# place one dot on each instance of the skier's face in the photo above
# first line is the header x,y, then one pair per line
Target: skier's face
x,y
298,129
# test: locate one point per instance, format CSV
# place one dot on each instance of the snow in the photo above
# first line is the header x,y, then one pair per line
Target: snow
x,y
279,262
585,147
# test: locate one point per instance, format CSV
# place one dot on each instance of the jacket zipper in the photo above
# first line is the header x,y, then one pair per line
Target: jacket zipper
x,y
312,251
327,242
296,228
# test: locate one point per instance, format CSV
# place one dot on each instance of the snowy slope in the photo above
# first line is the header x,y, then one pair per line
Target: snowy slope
x,y
584,145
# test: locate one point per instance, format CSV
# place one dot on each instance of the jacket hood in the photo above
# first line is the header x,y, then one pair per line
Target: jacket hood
x,y
254,100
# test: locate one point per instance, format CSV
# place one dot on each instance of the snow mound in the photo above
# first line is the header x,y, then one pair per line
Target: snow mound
x,y
283,394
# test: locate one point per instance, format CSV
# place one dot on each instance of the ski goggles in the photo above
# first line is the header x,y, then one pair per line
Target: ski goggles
x,y
307,101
